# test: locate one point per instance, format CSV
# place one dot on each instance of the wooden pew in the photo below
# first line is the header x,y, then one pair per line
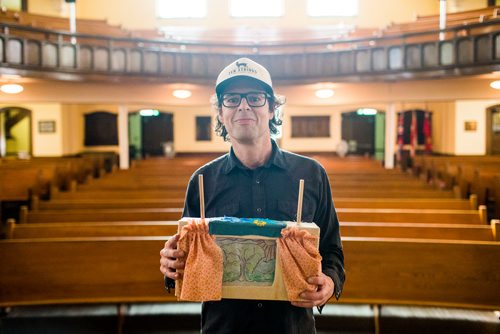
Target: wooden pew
x,y
43,176
413,215
421,231
165,228
26,179
345,214
448,171
81,270
122,194
407,203
81,204
54,216
131,181
349,192
483,184
125,270
387,203
424,272
463,15
91,229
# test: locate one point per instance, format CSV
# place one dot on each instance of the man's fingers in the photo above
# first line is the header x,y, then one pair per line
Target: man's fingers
x,y
175,275
172,253
172,264
318,296
172,259
172,241
316,280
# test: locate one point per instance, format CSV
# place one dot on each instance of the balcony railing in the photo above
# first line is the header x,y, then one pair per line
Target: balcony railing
x,y
468,49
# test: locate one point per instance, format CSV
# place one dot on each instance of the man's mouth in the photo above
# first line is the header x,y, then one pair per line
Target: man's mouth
x,y
244,121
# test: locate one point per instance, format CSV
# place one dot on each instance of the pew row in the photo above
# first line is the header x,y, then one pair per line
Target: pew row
x,y
125,270
347,192
166,228
344,214
414,215
387,203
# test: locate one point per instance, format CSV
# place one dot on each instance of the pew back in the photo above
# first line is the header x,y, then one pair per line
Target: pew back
x,y
165,228
113,270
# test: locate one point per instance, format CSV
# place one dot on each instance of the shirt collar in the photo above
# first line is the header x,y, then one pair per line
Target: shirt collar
x,y
277,159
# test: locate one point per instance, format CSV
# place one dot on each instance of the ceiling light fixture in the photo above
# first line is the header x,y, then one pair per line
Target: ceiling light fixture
x,y
324,93
495,84
182,93
11,88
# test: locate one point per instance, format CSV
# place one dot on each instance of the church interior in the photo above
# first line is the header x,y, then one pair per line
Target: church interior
x,y
106,111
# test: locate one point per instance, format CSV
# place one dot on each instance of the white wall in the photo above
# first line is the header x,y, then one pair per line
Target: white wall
x,y
471,142
44,144
47,144
185,131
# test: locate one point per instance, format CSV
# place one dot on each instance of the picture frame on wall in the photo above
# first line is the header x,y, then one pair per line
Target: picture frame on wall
x,y
470,126
46,126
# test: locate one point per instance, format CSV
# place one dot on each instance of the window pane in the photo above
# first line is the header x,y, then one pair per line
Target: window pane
x,y
332,7
256,8
203,128
171,9
310,126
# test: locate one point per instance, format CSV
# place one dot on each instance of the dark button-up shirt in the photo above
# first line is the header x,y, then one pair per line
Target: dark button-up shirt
x,y
270,191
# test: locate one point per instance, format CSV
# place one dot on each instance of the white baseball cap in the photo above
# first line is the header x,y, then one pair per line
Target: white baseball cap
x,y
244,68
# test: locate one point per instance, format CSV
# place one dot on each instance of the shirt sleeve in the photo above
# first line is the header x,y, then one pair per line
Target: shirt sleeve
x,y
330,245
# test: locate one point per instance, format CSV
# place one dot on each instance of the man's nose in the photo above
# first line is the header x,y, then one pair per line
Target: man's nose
x,y
244,103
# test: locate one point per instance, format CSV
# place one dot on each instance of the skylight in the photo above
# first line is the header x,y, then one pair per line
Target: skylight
x,y
257,8
174,9
332,7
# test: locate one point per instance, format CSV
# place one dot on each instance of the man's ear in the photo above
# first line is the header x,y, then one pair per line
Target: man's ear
x,y
219,115
271,112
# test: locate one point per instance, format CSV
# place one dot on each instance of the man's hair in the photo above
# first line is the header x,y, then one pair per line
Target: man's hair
x,y
275,102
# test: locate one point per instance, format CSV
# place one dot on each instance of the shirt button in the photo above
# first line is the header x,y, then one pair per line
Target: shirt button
x,y
259,209
259,305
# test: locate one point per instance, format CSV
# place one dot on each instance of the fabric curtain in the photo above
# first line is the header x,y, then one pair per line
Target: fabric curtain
x,y
299,259
202,278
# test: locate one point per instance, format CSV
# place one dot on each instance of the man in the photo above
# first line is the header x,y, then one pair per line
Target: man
x,y
256,179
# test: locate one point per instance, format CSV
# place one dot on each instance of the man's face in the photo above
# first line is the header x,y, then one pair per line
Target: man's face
x,y
244,123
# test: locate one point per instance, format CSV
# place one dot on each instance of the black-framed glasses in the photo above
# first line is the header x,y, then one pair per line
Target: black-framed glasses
x,y
254,99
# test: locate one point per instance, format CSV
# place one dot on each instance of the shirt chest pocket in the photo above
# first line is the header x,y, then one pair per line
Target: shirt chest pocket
x,y
230,210
287,210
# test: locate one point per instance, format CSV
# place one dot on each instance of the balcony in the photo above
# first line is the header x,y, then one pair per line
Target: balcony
x,y
461,50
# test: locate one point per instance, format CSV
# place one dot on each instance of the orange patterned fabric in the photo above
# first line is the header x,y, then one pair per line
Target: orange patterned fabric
x,y
202,279
299,259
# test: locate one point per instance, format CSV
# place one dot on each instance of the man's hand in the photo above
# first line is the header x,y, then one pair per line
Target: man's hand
x,y
319,297
172,259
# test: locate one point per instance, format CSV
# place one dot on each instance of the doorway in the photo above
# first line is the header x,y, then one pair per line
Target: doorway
x,y
15,132
150,132
493,130
364,132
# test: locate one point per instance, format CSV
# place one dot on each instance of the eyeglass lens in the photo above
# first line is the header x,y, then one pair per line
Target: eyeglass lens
x,y
233,100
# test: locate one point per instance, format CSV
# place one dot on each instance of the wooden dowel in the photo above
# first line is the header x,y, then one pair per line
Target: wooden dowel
x,y
299,206
202,196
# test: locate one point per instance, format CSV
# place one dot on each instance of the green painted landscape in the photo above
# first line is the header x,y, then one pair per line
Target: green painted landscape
x,y
248,261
